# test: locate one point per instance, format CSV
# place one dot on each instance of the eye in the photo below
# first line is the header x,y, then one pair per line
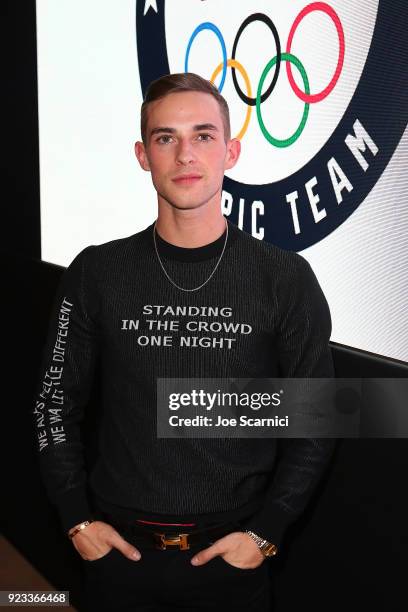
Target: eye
x,y
165,139
205,137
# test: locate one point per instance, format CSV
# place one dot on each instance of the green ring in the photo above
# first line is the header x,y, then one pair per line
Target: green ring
x,y
288,57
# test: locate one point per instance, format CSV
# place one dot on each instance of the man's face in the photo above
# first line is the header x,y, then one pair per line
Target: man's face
x,y
185,149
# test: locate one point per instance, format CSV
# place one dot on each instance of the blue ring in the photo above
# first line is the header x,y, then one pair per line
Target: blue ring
x,y
207,25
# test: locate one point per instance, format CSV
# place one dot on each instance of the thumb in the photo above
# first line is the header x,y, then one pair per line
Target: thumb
x,y
127,549
206,555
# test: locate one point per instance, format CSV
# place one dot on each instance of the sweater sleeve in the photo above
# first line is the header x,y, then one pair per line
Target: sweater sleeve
x,y
66,375
304,352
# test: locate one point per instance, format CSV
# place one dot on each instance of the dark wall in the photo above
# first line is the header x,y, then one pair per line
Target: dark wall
x,y
21,202
348,552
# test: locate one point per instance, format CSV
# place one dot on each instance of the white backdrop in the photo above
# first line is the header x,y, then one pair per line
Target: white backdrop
x,y
92,189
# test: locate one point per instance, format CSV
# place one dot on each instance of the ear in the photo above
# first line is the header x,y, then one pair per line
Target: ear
x,y
233,153
141,155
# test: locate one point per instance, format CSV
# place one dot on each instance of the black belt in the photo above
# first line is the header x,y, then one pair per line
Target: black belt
x,y
161,538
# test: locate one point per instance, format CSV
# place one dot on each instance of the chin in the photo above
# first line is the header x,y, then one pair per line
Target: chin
x,y
187,201
186,205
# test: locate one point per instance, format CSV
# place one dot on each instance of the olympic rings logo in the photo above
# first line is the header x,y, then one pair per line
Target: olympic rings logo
x,y
306,97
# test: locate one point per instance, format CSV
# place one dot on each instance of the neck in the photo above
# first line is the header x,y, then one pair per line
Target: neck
x,y
191,230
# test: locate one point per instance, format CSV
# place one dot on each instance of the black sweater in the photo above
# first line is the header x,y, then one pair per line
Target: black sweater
x,y
105,287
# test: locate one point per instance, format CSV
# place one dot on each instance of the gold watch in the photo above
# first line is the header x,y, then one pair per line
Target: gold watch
x,y
267,548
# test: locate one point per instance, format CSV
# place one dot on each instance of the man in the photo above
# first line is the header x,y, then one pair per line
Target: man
x,y
179,524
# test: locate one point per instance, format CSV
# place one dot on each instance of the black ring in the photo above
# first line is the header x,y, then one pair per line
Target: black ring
x,y
265,19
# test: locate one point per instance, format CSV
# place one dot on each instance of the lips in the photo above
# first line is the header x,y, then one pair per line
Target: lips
x,y
186,179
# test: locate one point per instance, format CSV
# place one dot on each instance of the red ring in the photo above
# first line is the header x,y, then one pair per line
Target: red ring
x,y
316,6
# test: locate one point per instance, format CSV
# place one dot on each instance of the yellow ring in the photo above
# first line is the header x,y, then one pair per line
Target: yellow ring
x,y
234,64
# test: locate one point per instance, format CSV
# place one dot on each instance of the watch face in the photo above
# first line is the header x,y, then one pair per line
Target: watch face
x,y
270,550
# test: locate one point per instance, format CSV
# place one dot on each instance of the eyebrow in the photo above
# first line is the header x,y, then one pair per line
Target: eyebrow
x,y
197,128
205,126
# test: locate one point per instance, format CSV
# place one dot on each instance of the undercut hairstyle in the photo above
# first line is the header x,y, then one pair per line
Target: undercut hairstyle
x,y
179,82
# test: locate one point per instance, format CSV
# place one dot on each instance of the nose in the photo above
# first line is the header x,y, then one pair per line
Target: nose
x,y
185,152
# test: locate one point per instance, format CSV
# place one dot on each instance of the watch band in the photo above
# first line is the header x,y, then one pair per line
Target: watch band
x,y
80,527
267,548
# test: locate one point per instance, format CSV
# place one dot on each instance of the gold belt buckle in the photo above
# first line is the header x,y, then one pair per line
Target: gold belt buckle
x,y
178,539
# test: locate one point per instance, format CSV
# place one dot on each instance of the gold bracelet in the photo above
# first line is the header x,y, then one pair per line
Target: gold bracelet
x,y
80,527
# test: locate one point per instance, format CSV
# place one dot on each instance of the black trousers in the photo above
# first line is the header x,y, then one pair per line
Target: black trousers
x,y
165,581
